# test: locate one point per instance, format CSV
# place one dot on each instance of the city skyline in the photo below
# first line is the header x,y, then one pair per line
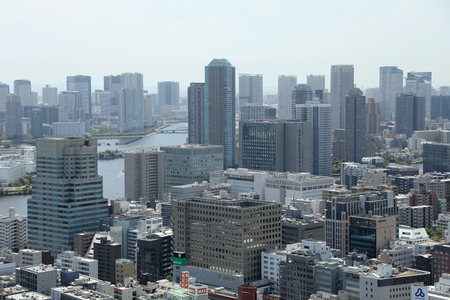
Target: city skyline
x,y
272,25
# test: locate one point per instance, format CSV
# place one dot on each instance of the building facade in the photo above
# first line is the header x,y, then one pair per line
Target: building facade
x,y
50,95
355,125
82,84
342,77
285,86
196,113
250,89
391,84
436,157
13,115
22,87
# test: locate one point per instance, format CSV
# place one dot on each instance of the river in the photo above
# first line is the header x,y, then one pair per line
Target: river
x,y
113,181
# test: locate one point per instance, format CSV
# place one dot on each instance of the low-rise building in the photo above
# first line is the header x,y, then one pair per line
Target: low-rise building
x,y
400,253
29,257
412,235
13,231
38,278
85,266
11,171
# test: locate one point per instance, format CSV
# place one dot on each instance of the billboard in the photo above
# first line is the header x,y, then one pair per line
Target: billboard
x,y
419,293
185,279
179,258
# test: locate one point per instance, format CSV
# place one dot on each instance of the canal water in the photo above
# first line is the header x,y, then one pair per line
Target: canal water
x,y
113,179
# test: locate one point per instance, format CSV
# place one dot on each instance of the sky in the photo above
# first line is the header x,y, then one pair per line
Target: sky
x,y
45,41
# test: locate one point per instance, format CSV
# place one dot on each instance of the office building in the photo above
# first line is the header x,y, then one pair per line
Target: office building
x,y
37,120
351,173
250,89
440,107
373,117
22,87
319,117
4,90
113,84
70,163
40,278
220,111
13,231
236,249
424,197
124,269
196,113
342,77
285,86
68,102
391,84
294,230
82,84
144,174
300,95
154,255
441,257
275,145
371,234
66,129
252,112
419,83
304,261
82,241
410,114
169,93
50,95
355,125
339,143
241,180
187,164
84,266
131,115
150,101
436,157
132,81
13,116
420,216
317,85
106,252
102,99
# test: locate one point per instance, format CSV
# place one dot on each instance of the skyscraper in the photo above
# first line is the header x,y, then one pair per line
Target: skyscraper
x,y
4,90
169,93
67,196
13,115
37,119
355,125
82,84
196,113
285,86
68,102
131,102
419,83
113,84
319,117
275,145
300,94
391,84
341,84
317,85
410,114
372,117
22,87
220,110
132,81
50,95
250,89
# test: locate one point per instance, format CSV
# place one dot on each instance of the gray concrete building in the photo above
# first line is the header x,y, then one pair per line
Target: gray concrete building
x,y
4,90
67,174
169,93
300,95
38,278
275,145
185,164
355,125
68,102
145,174
50,95
285,86
410,114
252,111
294,230
22,87
342,77
13,116
196,113
250,89
436,157
391,84
82,84
317,85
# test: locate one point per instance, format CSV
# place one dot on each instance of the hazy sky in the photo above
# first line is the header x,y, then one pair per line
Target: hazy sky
x,y
45,41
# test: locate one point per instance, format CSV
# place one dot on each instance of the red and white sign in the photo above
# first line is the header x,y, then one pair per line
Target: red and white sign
x,y
198,289
185,279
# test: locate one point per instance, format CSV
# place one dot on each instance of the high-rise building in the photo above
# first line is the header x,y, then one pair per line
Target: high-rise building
x,y
169,93
106,252
132,81
275,145
22,87
196,113
13,115
419,83
113,84
285,86
300,94
355,125
319,117
68,102
37,120
410,114
50,95
440,107
145,174
148,107
220,110
391,84
82,84
131,115
187,164
436,157
250,89
317,85
4,90
252,112
66,175
102,99
13,231
342,80
236,249
373,117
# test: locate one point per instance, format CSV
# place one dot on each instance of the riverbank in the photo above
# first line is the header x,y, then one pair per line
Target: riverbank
x,y
134,137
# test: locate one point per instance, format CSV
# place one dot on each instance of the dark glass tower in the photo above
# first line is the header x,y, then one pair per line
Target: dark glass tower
x,y
355,125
